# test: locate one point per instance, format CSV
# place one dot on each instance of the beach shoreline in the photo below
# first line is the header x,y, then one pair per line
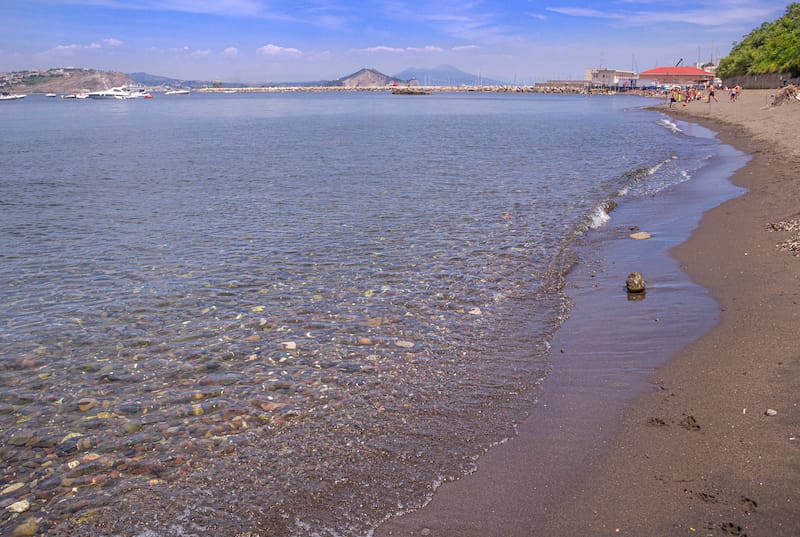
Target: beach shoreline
x,y
691,451
732,470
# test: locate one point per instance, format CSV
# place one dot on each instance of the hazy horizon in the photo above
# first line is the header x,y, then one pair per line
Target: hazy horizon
x,y
261,41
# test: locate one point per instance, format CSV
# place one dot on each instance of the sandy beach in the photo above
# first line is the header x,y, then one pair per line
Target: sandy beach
x,y
705,442
734,469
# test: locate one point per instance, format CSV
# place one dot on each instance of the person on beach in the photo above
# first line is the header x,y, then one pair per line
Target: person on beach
x,y
672,98
711,93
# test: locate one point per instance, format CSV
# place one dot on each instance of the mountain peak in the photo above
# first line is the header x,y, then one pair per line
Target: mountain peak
x,y
446,75
367,78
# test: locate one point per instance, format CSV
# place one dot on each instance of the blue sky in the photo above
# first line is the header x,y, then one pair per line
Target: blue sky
x,y
521,41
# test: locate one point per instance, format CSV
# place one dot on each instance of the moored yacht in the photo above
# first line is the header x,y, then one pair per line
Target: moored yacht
x,y
11,96
110,93
137,92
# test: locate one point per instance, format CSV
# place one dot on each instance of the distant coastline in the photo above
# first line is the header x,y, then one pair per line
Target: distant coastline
x,y
430,89
72,80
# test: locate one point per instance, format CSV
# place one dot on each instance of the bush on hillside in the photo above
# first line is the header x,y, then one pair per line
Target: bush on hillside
x,y
774,47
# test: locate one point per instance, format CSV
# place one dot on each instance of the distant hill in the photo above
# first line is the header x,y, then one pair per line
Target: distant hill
x,y
146,79
446,75
367,78
66,80
73,80
360,79
150,81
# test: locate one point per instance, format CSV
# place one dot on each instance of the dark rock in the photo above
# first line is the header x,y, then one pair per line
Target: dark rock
x,y
129,408
71,445
635,283
49,484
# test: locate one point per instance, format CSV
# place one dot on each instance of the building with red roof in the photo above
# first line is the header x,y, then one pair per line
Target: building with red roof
x,y
681,76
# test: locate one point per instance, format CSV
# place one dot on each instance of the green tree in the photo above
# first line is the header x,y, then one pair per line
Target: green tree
x,y
773,47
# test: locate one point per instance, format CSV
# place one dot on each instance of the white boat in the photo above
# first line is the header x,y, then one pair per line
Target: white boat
x,y
51,95
11,96
177,92
110,93
137,92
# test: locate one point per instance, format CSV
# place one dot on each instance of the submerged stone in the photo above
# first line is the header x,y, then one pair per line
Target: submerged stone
x,y
11,488
85,404
27,528
640,236
19,507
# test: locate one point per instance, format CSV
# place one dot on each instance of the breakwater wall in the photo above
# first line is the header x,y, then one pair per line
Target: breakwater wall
x,y
766,81
429,89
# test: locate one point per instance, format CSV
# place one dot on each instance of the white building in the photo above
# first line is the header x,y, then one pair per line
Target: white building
x,y
600,77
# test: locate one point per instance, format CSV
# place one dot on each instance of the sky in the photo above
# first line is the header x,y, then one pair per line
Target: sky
x,y
261,41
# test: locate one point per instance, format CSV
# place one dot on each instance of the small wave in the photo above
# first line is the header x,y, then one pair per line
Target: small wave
x,y
597,218
639,174
667,124
654,169
600,215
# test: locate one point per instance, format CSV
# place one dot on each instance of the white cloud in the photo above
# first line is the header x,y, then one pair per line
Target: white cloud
x,y
465,48
465,20
201,53
231,52
428,48
76,48
585,12
213,7
68,50
701,14
275,50
219,7
381,48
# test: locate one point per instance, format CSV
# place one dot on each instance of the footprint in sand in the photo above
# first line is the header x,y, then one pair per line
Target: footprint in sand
x,y
656,422
729,528
689,423
748,505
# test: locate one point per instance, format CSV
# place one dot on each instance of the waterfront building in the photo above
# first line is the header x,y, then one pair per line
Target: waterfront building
x,y
601,77
675,76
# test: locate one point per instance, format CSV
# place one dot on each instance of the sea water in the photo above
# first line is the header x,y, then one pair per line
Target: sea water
x,y
289,314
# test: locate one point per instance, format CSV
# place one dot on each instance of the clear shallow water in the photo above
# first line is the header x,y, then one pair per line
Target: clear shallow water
x,y
288,314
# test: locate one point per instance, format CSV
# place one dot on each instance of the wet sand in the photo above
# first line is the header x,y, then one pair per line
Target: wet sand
x,y
643,429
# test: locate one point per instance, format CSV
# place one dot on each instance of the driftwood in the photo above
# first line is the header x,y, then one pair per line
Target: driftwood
x,y
789,94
